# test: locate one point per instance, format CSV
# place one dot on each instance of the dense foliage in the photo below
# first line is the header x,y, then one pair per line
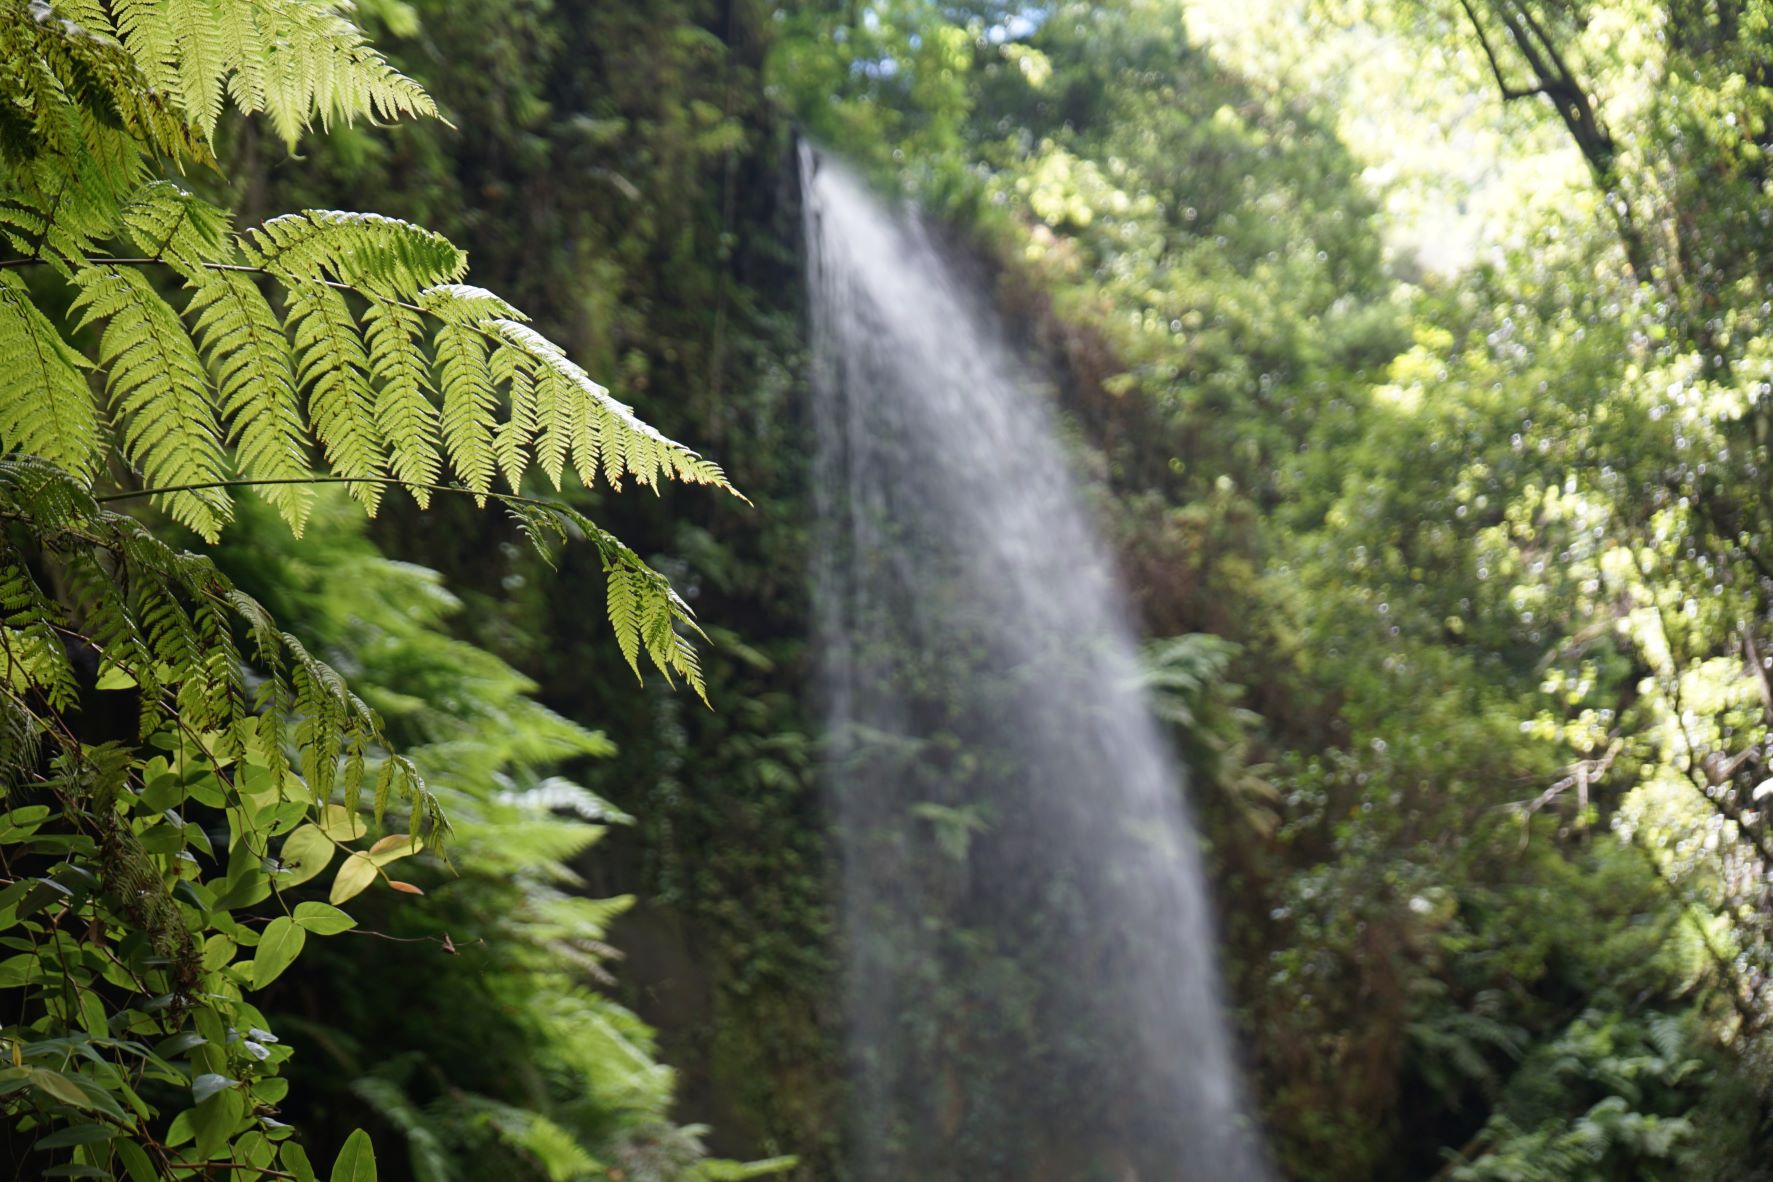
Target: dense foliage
x,y
1417,357
1489,542
175,766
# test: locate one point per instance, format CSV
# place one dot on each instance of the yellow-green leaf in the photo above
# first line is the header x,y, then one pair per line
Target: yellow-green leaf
x,y
278,948
305,854
357,872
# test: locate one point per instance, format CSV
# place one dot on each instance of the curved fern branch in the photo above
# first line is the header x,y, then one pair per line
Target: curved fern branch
x,y
644,611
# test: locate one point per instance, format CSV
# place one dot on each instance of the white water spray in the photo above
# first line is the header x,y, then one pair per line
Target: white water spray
x,y
1031,987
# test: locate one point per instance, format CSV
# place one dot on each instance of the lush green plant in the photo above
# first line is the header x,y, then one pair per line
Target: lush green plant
x,y
1491,544
168,779
499,1059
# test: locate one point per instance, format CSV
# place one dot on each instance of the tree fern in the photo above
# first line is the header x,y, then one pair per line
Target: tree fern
x,y
256,382
160,394
223,358
333,364
45,406
405,414
398,369
176,227
381,256
470,405
295,60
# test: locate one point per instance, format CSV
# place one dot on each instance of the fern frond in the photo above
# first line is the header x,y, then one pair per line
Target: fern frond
x,y
512,438
80,102
251,360
186,232
404,412
463,307
644,612
625,599
241,33
61,230
33,656
160,393
77,129
470,406
292,59
324,65
89,14
45,405
381,256
333,364
168,618
571,409
463,303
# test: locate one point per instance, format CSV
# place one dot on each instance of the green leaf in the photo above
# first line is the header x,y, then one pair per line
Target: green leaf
x,y
135,1162
394,847
280,944
356,1161
305,854
59,1087
81,1134
341,824
179,1043
22,822
19,970
249,887
354,876
208,1084
295,1161
323,919
215,1121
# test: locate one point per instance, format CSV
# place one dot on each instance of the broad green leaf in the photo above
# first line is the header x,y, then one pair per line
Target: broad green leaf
x,y
323,919
357,872
19,970
20,823
135,1162
341,824
60,1087
253,1147
113,677
179,1043
208,1084
306,853
294,1160
98,1096
251,886
280,944
80,1134
218,951
216,1120
356,1161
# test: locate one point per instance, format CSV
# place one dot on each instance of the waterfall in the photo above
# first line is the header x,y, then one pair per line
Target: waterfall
x,y
1030,982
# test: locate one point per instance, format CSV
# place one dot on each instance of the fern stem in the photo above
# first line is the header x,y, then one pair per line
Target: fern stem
x,y
242,268
387,481
99,261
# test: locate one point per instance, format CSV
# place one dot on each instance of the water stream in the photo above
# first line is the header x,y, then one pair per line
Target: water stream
x,y
1031,990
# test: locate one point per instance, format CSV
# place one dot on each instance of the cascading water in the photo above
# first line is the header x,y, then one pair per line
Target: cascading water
x,y
1031,988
